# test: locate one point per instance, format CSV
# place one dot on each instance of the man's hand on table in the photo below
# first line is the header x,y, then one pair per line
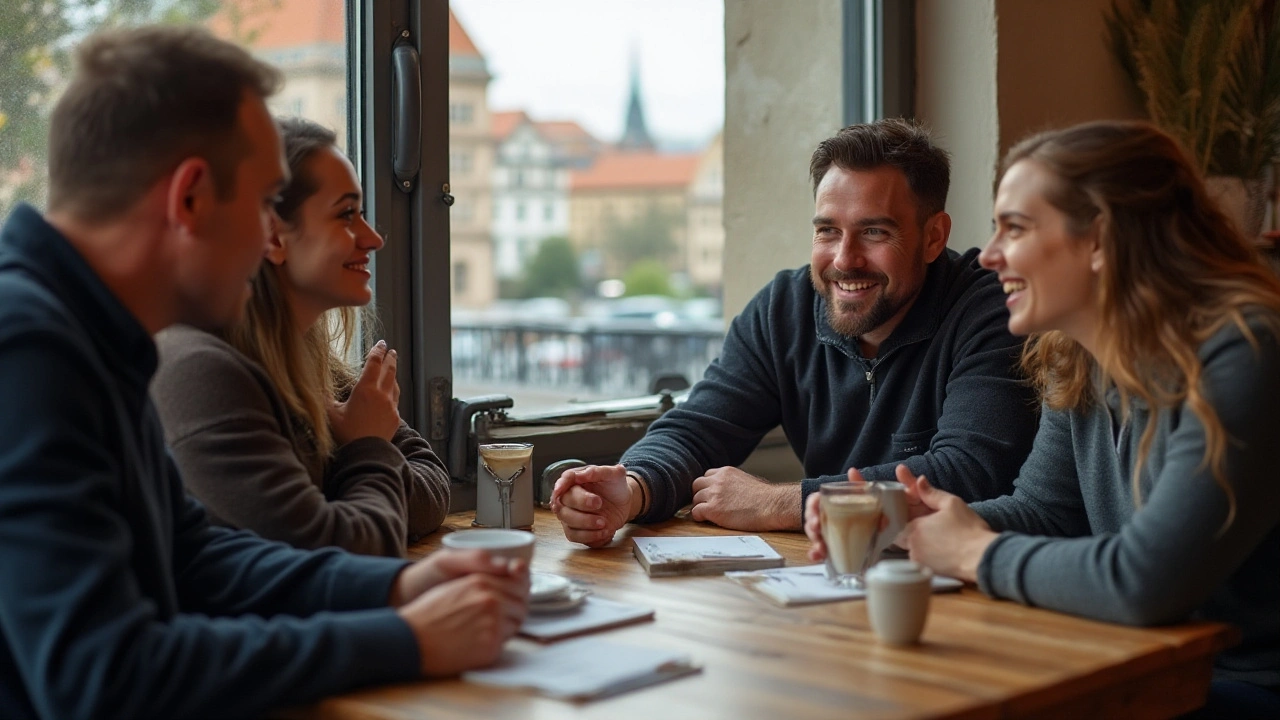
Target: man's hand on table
x,y
734,499
593,502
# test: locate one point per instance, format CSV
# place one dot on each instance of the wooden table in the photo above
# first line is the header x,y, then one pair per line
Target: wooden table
x,y
979,658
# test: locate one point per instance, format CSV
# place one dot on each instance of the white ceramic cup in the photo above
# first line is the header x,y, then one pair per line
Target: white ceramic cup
x,y
516,544
898,593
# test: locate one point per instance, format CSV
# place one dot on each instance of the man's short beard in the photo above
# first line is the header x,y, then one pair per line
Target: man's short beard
x,y
859,324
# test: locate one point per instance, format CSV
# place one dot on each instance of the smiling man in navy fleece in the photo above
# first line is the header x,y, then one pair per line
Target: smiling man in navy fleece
x,y
117,598
888,348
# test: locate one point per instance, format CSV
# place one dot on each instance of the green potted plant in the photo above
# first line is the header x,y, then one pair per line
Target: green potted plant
x,y
1208,72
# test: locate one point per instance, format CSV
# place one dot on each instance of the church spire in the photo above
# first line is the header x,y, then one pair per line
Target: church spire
x,y
636,135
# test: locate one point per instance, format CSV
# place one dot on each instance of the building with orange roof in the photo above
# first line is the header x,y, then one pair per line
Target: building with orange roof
x,y
471,151
620,188
574,146
306,39
531,184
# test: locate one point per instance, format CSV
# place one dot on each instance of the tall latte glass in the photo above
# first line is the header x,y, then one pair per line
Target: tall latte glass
x,y
851,515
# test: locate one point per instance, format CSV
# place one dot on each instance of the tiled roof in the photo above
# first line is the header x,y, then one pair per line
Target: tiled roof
x,y
635,170
501,124
459,41
298,23
563,131
293,23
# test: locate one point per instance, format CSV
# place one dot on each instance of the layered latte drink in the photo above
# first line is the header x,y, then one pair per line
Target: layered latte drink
x,y
850,523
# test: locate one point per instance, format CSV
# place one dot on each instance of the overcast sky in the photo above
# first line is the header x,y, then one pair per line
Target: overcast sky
x,y
570,59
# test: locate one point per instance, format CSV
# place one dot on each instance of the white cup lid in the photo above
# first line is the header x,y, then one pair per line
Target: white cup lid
x,y
898,571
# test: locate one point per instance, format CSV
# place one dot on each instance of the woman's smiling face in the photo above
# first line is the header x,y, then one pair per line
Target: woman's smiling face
x,y
1049,274
323,258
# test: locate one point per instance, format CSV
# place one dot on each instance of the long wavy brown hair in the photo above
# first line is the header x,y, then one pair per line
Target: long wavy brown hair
x,y
311,372
1175,272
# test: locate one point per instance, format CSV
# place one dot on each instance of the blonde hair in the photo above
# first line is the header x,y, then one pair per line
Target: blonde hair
x,y
312,372
1175,272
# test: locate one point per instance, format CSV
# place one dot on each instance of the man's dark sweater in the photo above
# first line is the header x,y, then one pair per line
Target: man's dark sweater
x,y
943,395
117,597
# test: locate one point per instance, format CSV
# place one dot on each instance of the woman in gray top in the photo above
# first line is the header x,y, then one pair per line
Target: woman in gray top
x,y
1150,494
270,427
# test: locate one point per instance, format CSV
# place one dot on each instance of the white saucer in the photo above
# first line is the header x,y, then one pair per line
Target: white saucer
x,y
545,587
571,601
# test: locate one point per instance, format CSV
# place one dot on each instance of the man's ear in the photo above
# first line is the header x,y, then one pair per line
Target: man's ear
x,y
278,242
190,195
936,231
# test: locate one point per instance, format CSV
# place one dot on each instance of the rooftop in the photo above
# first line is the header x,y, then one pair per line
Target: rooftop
x,y
502,124
291,23
617,171
459,41
300,23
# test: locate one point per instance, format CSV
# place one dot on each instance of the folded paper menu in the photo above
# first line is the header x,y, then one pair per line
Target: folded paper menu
x,y
594,614
704,555
808,584
583,669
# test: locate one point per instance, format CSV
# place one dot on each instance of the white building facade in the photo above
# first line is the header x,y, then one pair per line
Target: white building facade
x,y
530,194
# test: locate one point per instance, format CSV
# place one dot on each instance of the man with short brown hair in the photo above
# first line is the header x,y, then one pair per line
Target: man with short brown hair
x,y
887,350
117,597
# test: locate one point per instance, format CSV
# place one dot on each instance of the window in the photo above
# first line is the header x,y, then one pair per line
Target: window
x,y
461,113
463,210
549,212
460,277
520,211
460,163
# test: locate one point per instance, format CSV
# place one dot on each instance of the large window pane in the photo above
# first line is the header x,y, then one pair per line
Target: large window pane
x,y
304,38
586,159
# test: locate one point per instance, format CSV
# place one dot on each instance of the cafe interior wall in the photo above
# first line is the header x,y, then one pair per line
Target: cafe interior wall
x,y
783,95
991,72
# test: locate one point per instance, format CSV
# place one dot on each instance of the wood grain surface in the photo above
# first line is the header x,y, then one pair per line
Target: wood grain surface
x,y
978,658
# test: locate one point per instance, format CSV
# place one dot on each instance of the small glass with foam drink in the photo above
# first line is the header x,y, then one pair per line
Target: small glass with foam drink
x,y
851,519
504,485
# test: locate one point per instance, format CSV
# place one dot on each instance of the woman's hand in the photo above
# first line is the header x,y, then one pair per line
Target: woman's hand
x,y
951,539
813,513
372,408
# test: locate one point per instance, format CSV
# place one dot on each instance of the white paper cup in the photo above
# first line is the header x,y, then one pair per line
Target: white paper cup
x,y
517,544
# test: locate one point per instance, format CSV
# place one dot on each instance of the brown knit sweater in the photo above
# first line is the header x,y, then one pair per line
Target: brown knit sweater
x,y
236,444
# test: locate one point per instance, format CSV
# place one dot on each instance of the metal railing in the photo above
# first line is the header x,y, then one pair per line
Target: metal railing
x,y
617,356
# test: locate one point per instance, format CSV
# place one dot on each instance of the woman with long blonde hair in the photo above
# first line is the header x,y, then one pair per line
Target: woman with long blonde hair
x,y
271,428
1150,494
